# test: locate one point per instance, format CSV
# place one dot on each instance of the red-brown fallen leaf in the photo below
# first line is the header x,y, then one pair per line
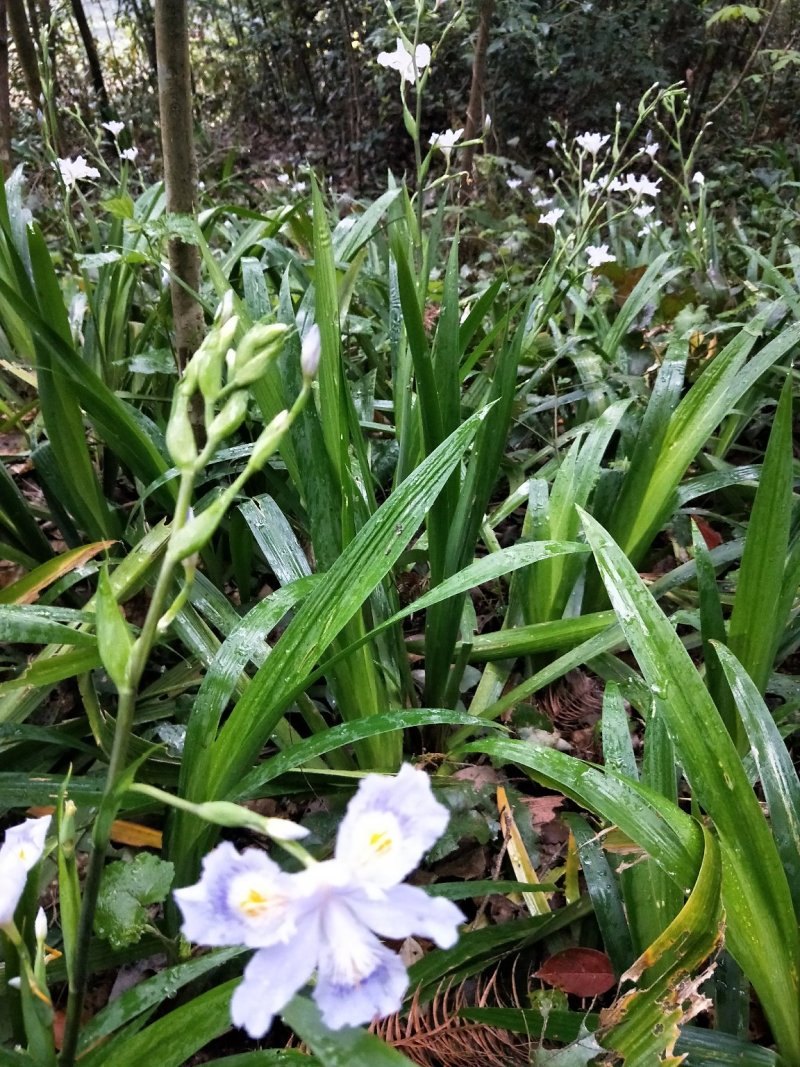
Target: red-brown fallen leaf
x,y
584,972
710,535
543,809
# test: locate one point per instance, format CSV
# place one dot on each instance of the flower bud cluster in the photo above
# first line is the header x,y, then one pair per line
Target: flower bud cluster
x,y
220,375
221,372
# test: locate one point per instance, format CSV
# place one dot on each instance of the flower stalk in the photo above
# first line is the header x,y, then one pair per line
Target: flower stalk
x,y
188,535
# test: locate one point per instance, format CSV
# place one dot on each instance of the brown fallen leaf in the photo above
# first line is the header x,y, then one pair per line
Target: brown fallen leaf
x,y
584,972
122,831
543,809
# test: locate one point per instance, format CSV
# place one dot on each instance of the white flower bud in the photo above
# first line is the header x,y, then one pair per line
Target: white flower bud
x,y
285,830
40,925
311,351
226,306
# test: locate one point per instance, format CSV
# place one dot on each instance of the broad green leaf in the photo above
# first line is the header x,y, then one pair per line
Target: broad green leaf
x,y
776,770
639,514
539,637
126,890
348,1047
644,1025
19,521
762,928
52,665
12,1058
656,277
712,628
755,630
150,993
344,734
348,240
113,636
20,624
483,888
173,1039
603,889
736,13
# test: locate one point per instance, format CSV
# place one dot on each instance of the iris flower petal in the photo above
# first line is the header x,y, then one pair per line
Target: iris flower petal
x,y
359,978
241,899
405,910
389,824
20,852
271,979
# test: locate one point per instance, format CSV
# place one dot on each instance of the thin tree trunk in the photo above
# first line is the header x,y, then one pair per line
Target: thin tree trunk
x,y
26,50
5,104
93,57
477,92
180,167
143,14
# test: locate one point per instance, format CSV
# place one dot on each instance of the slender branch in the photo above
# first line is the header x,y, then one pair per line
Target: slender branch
x,y
748,64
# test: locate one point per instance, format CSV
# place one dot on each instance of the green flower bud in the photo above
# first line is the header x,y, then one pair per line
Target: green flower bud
x,y
197,532
253,370
211,358
410,123
263,342
188,381
229,418
269,440
180,435
225,813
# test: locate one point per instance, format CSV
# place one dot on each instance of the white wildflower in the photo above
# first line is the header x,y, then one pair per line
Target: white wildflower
x,y
551,217
129,153
598,255
592,142
643,210
446,141
649,228
513,183
403,61
642,186
75,170
698,178
114,128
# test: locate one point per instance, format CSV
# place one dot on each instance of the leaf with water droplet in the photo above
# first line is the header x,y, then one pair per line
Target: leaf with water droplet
x,y
125,894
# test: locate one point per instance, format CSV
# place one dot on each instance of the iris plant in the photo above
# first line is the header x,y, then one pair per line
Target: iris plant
x,y
329,917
